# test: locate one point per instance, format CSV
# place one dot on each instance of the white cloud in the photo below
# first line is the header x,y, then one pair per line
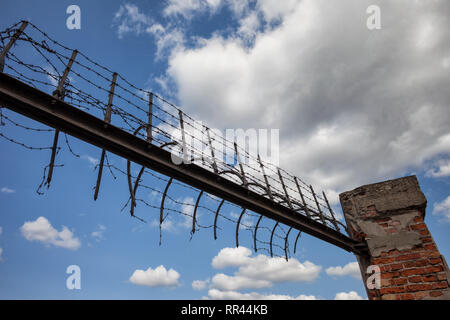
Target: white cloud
x,y
232,257
167,225
274,9
98,234
353,98
42,231
442,169
443,209
187,8
260,271
350,269
352,295
92,161
229,283
158,277
200,284
234,295
7,190
129,19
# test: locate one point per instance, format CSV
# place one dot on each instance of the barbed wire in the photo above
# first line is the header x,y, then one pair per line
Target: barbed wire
x,y
88,86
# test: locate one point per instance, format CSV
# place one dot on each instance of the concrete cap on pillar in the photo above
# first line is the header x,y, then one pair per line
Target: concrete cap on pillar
x,y
385,198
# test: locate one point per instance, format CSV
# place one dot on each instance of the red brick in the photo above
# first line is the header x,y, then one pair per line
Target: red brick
x,y
392,290
424,232
442,276
421,263
427,240
396,266
410,256
386,283
429,278
413,272
415,279
430,246
418,287
434,260
421,295
433,269
384,225
407,296
391,230
409,264
435,293
440,285
418,219
430,254
385,268
383,260
389,275
420,226
399,281
393,253
389,297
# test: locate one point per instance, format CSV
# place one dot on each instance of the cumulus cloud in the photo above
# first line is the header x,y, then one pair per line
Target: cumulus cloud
x,y
215,294
441,169
352,295
186,8
442,209
42,231
229,283
350,269
232,257
158,277
130,20
200,284
258,272
7,190
353,106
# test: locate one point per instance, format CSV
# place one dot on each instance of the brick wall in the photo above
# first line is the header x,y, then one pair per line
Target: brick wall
x,y
389,216
410,274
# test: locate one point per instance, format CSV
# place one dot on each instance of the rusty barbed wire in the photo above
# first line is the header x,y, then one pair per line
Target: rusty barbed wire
x,y
88,84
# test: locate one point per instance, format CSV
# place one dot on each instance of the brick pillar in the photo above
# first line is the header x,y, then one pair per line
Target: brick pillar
x,y
389,216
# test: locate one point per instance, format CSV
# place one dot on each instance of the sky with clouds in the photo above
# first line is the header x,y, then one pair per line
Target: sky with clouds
x,y
353,106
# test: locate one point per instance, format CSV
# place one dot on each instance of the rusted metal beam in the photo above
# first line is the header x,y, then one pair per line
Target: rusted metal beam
x,y
48,110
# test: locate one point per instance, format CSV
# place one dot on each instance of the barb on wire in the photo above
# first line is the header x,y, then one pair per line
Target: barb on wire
x,y
84,83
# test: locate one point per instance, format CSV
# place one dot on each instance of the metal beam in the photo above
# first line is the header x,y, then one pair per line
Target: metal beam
x,y
58,114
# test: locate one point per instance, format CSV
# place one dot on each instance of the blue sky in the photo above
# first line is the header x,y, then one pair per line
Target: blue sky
x,y
353,106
